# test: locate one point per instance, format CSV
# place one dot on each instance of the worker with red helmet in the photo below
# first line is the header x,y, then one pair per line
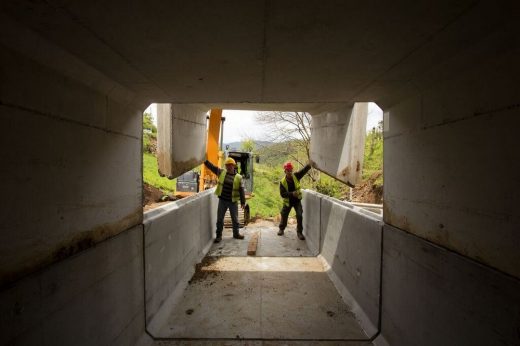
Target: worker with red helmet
x,y
290,191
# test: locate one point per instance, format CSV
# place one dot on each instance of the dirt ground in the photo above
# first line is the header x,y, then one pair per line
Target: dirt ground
x,y
369,192
153,197
151,194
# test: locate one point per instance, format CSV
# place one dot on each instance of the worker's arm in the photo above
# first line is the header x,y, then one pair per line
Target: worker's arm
x,y
302,171
283,192
212,168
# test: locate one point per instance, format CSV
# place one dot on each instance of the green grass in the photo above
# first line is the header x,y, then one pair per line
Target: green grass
x,y
152,177
266,201
373,160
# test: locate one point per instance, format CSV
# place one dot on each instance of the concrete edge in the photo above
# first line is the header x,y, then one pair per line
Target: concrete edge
x,y
360,315
380,341
150,215
356,209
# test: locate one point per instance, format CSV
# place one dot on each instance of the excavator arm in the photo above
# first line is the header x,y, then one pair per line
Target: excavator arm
x,y
213,154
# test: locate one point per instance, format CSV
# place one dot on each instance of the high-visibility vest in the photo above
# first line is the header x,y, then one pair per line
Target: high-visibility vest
x,y
235,194
296,188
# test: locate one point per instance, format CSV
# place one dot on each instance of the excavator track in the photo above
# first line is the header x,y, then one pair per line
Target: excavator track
x,y
243,217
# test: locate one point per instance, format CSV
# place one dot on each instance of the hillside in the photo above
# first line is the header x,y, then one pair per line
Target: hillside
x,y
238,145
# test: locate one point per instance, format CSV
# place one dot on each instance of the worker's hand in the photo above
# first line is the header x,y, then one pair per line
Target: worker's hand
x,y
295,194
242,206
312,164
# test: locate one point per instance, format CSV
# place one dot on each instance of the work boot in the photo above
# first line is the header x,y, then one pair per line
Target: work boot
x,y
218,239
300,235
280,232
238,236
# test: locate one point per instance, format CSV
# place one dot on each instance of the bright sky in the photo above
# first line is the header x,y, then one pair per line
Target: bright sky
x,y
240,125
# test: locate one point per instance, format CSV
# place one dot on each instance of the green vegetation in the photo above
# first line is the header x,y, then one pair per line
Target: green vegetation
x,y
266,201
373,160
150,169
151,175
247,145
149,134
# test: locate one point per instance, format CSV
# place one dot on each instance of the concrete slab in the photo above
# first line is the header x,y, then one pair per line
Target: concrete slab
x,y
261,297
338,142
269,243
352,248
432,296
181,138
287,245
311,204
174,242
230,246
93,298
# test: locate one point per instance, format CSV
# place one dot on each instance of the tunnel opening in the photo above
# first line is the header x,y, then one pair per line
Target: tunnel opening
x,y
277,137
244,288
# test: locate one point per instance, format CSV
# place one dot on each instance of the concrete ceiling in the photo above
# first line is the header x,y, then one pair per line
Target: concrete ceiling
x,y
262,51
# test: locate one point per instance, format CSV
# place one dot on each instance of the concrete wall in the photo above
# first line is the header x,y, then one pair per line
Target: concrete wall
x,y
451,179
177,236
451,158
432,296
71,161
94,298
311,204
349,241
70,151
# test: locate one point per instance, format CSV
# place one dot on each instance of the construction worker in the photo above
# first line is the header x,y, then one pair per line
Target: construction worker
x,y
291,194
230,190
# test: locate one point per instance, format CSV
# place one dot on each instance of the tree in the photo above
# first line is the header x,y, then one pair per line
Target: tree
x,y
148,123
247,145
294,129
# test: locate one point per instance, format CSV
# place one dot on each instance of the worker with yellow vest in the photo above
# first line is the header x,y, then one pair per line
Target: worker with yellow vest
x,y
230,190
291,193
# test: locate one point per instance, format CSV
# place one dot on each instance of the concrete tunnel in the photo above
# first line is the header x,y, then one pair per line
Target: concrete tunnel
x,y
441,267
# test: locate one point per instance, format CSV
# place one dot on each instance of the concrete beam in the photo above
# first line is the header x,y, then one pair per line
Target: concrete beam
x,y
181,138
338,142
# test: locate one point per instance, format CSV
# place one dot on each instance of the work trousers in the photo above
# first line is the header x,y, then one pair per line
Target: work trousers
x,y
299,216
224,205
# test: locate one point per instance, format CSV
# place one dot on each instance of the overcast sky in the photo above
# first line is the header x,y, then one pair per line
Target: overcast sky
x,y
240,125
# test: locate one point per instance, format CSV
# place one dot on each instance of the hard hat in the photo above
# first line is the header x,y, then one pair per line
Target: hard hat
x,y
287,166
230,161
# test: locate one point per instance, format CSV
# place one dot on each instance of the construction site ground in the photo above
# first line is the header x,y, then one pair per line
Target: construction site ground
x,y
281,293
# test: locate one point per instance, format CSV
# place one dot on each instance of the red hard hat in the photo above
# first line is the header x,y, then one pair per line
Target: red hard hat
x,y
287,166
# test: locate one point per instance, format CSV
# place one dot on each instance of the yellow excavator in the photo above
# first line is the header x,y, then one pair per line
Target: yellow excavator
x,y
192,182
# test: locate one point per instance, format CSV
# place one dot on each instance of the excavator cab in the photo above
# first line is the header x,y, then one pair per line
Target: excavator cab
x,y
244,167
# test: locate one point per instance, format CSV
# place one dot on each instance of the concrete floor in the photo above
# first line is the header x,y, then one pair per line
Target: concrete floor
x,y
269,243
238,297
258,343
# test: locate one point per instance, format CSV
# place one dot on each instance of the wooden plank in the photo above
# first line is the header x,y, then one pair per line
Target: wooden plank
x,y
253,243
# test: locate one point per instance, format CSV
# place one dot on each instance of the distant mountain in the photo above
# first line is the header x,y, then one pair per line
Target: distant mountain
x,y
237,145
